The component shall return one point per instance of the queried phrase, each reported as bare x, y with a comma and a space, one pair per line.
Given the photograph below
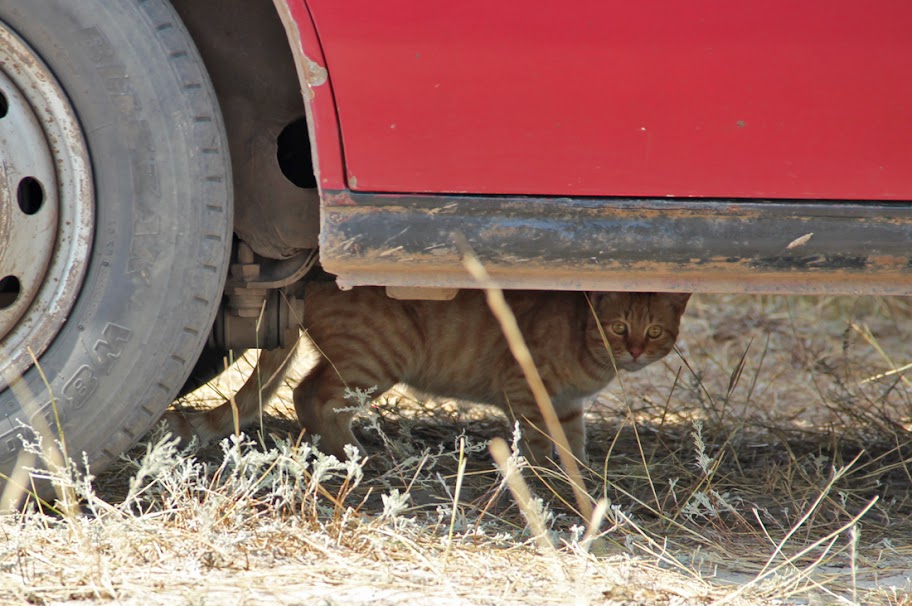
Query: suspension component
275, 324
261, 309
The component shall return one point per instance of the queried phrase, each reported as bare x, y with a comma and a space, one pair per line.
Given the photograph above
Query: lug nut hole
4, 105
10, 288
30, 195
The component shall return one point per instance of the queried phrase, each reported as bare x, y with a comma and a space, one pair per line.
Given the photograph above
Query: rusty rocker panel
751, 246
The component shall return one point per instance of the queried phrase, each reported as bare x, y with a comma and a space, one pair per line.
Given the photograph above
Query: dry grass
768, 462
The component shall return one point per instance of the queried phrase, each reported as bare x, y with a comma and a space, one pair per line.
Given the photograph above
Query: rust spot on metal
337, 198
314, 73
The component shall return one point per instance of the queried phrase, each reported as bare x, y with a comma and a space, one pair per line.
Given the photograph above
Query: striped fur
456, 349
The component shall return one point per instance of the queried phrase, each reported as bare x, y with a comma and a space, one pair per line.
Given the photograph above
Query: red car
150, 149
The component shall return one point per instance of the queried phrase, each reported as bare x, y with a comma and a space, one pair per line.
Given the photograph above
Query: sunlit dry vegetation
767, 461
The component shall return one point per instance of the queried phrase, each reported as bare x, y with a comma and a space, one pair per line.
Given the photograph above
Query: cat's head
640, 328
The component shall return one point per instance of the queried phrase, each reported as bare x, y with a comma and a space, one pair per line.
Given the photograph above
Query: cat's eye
655, 331
619, 328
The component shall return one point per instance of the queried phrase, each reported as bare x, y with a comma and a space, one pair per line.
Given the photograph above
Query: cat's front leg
538, 445
572, 420
322, 410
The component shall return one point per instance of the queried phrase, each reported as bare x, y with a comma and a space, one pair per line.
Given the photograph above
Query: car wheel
115, 221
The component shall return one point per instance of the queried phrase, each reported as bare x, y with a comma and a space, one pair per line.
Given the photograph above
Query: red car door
708, 98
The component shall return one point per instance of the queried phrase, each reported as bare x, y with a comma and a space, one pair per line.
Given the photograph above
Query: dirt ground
767, 462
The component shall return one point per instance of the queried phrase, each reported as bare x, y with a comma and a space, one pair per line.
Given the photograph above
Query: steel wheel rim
46, 207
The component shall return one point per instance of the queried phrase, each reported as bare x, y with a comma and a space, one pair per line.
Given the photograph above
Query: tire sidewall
162, 221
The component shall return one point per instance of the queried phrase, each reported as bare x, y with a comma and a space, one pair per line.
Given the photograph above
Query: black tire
162, 224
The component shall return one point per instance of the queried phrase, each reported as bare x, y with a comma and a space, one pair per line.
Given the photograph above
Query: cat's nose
635, 351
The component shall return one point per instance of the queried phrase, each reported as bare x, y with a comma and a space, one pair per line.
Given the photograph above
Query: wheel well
246, 52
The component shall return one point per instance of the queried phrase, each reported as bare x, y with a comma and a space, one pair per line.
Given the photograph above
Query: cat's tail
246, 406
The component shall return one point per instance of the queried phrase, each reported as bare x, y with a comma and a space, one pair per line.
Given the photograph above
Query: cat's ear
679, 300
602, 299
593, 297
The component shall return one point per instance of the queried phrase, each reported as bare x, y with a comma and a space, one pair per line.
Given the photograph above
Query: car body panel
604, 244
319, 101
709, 98
725, 148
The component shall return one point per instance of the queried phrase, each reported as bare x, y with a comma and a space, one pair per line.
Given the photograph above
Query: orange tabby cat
456, 349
